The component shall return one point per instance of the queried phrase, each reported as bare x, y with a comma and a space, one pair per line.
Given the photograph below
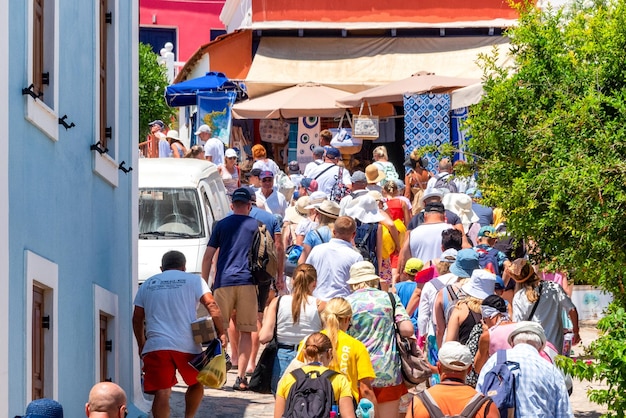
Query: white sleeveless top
289, 333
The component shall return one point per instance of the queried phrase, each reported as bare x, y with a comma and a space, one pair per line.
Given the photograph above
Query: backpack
310, 397
339, 189
445, 182
389, 170
451, 296
470, 410
500, 383
365, 245
488, 259
262, 259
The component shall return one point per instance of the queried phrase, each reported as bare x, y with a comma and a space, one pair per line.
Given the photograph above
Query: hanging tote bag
343, 140
366, 126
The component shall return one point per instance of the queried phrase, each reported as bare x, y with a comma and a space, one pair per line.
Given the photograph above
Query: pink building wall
193, 20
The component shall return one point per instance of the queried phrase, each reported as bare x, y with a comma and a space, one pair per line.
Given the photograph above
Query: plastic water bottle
365, 409
567, 344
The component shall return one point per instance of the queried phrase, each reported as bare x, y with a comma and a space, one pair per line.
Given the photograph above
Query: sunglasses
231, 158
268, 179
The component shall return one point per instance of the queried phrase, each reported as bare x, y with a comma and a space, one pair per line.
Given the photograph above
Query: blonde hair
498, 216
380, 152
303, 276
364, 285
258, 151
315, 345
443, 267
391, 188
335, 310
472, 303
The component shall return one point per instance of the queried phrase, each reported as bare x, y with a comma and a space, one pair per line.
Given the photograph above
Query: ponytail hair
336, 309
303, 276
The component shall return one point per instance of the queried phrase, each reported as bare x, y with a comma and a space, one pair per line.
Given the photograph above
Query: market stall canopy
421, 82
184, 94
355, 64
307, 99
466, 96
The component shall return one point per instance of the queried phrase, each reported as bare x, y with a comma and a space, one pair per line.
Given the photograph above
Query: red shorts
160, 369
390, 393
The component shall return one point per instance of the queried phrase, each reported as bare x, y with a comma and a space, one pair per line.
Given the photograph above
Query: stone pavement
228, 403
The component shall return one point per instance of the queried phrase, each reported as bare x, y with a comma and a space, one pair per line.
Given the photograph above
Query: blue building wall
63, 211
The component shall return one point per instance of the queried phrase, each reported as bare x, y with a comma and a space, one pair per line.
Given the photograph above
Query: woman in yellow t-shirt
318, 353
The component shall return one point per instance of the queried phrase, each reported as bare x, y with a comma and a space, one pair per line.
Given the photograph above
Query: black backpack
310, 397
365, 245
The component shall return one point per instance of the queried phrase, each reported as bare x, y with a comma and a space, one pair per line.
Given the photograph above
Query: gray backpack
470, 410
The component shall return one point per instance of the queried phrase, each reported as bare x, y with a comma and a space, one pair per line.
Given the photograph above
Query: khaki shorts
241, 298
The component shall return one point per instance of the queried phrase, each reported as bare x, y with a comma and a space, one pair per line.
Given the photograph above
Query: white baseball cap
203, 128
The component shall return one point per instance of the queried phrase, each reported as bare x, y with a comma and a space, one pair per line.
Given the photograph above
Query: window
43, 66
106, 345
42, 333
106, 90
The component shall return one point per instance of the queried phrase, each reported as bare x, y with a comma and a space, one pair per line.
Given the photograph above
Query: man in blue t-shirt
234, 288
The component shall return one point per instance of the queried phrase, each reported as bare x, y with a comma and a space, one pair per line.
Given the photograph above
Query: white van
179, 202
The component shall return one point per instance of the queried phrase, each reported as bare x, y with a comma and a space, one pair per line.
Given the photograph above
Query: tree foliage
551, 137
551, 133
152, 83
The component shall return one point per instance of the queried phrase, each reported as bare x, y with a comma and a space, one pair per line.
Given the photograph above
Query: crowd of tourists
363, 258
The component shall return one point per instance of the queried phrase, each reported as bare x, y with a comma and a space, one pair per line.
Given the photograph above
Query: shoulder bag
415, 368
261, 379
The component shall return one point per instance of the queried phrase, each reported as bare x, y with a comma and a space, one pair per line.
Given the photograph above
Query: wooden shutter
104, 358
38, 346
38, 44
103, 71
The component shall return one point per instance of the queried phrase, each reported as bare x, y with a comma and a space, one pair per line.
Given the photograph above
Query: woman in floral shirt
372, 324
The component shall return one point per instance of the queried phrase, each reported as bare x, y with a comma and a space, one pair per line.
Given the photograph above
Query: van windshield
169, 214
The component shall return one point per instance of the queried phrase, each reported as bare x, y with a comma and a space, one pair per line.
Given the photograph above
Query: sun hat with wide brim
328, 208
44, 408
365, 209
481, 284
466, 262
374, 174
363, 271
461, 204
316, 199
297, 212
172, 134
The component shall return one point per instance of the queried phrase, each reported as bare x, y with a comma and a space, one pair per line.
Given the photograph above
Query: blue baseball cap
487, 231
332, 153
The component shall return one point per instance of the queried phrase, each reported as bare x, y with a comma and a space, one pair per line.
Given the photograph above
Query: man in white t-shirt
425, 241
213, 147
327, 173
318, 159
268, 197
165, 307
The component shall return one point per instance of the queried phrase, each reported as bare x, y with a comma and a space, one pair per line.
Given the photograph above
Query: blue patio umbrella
184, 93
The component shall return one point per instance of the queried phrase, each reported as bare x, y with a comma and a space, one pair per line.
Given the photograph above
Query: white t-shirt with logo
169, 300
